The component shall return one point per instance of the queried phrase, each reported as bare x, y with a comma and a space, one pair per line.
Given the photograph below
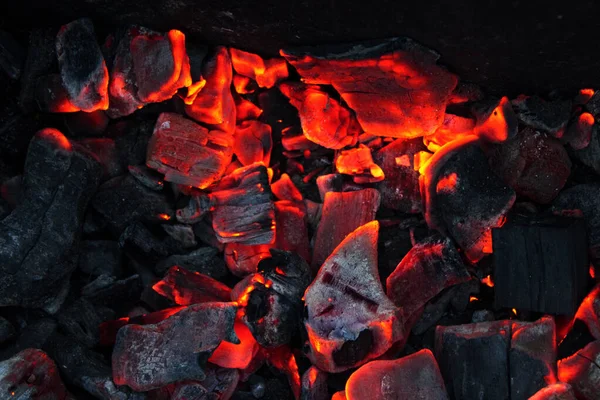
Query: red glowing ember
265, 72
359, 163
186, 288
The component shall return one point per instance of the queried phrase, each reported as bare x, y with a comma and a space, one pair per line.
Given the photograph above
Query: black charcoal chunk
34, 335
590, 155
549, 116
182, 234
7, 330
105, 152
112, 293
205, 260
80, 321
100, 257
132, 138
147, 177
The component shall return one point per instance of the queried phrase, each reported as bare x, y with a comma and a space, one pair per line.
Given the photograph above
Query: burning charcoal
284, 189
581, 371
112, 293
196, 209
266, 73
51, 96
400, 188
589, 312
324, 120
204, 260
183, 234
343, 336
230, 355
532, 357
35, 260
342, 213
82, 68
252, 142
31, 374
189, 391
99, 257
541, 264
188, 153
214, 104
329, 183
150, 356
138, 241
84, 124
122, 200
453, 127
590, 155
105, 152
394, 85
557, 391
579, 132
465, 93
482, 316
314, 385
246, 110
496, 120
291, 229
549, 116
243, 84
81, 321
341, 395
295, 143
463, 197
359, 163
147, 177
473, 359
243, 211
429, 267
7, 330
186, 288
220, 383
242, 260
416, 376
534, 164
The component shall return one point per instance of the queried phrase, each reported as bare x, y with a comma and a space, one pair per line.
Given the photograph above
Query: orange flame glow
488, 281
265, 72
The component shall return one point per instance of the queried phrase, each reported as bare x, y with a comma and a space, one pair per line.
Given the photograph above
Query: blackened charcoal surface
132, 138
41, 59
80, 321
182, 234
147, 177
140, 243
99, 257
288, 272
109, 292
205, 260
104, 151
7, 330
549, 116
38, 238
33, 335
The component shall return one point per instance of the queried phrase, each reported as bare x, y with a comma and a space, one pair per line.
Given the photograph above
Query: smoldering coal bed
352, 222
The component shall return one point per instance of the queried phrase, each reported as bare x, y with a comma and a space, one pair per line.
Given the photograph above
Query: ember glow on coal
347, 222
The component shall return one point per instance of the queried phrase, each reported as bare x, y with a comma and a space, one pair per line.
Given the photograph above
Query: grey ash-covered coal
341, 222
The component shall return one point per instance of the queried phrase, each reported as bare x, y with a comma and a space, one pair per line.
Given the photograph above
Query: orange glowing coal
266, 73
229, 355
447, 183
488, 281
359, 163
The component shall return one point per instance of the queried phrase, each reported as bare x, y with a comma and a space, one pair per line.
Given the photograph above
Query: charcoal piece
39, 238
394, 85
589, 312
314, 385
590, 155
581, 371
80, 321
285, 189
84, 368
287, 272
400, 188
31, 374
473, 359
252, 142
104, 151
183, 234
495, 120
416, 376
41, 59
205, 260
33, 336
329, 183
242, 260
463, 197
358, 163
240, 356
7, 330
188, 153
541, 264
466, 92
82, 68
132, 140
185, 288
243, 211
534, 164
324, 120
214, 104
291, 229
453, 127
160, 64
220, 382
341, 395
196, 209
579, 132
432, 312
349, 277
246, 110
99, 257
138, 242
123, 200
549, 116
147, 177
482, 316
12, 55
556, 391
51, 96
429, 267
112, 293
150, 356
342, 213
266, 73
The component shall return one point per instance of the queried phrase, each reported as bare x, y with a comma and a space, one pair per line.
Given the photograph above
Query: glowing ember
488, 281
359, 163
265, 72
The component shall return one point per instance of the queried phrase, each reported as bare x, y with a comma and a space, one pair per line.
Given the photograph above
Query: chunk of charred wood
579, 132
393, 85
548, 116
473, 359
219, 384
581, 371
31, 374
138, 242
463, 197
82, 68
230, 355
132, 137
188, 153
314, 385
51, 96
342, 213
33, 336
287, 272
416, 376
266, 73
242, 260
534, 164
252, 142
324, 120
541, 264
495, 120
400, 188
453, 127
147, 177
38, 239
185, 288
466, 92
182, 234
285, 189
556, 391
122, 200
80, 321
243, 211
341, 337
532, 357
150, 356
205, 260
429, 267
99, 257
112, 293
214, 104
84, 368
589, 312
291, 230
329, 183
246, 110
40, 61
359, 163
104, 151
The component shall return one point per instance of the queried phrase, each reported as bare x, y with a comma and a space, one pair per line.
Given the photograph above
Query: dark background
509, 47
